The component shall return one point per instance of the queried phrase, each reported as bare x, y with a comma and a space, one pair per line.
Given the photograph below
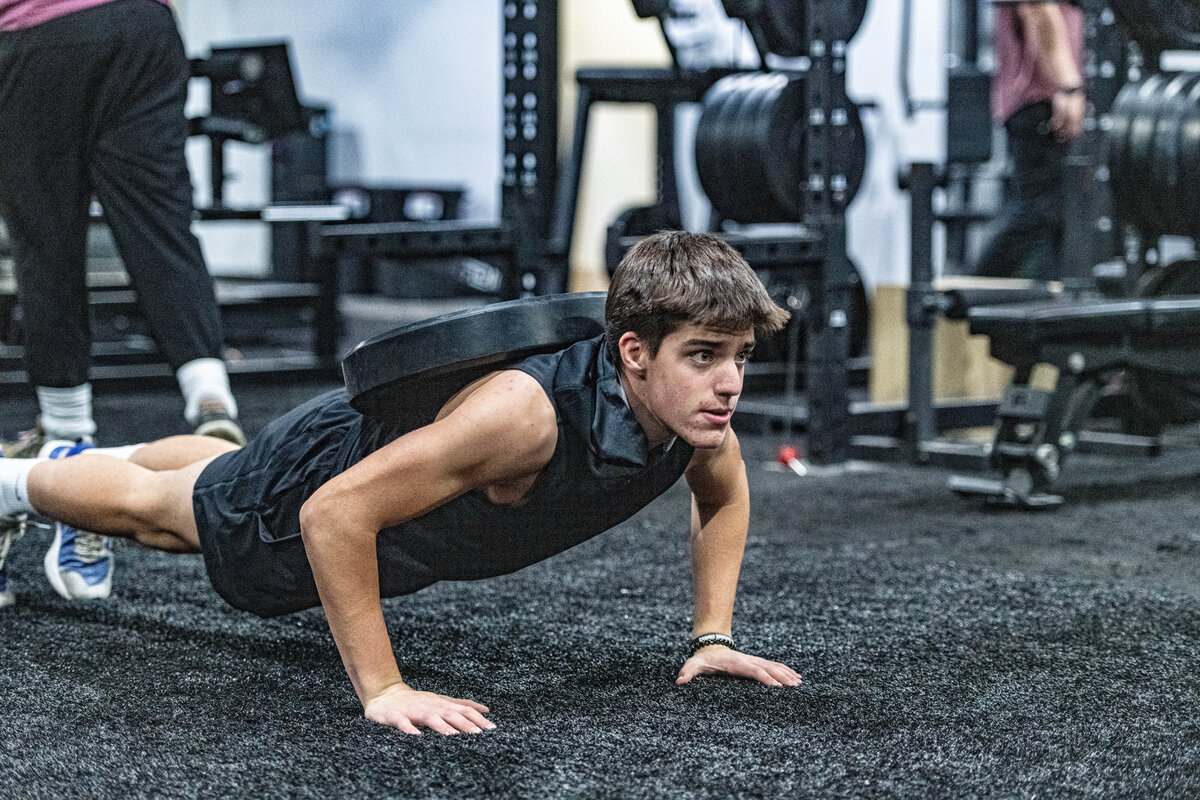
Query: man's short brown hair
674, 278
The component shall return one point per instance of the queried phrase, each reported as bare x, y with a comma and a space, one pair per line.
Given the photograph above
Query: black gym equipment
401, 378
1145, 346
811, 256
253, 95
520, 245
751, 142
1154, 153
1159, 25
635, 223
664, 90
1092, 343
252, 99
779, 26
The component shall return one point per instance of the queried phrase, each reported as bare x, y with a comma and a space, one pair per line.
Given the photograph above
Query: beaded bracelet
704, 640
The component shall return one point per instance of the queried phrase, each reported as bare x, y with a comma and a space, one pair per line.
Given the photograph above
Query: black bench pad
1033, 323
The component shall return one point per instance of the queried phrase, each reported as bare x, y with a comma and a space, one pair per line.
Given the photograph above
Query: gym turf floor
947, 651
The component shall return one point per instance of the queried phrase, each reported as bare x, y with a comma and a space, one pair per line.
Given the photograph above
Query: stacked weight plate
750, 147
1154, 153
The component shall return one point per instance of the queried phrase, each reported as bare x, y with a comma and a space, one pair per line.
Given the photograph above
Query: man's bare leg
120, 498
176, 452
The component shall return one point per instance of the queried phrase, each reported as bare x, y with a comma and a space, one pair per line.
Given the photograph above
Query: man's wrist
1070, 90
708, 639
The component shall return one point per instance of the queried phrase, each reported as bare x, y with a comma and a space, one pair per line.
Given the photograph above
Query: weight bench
1088, 340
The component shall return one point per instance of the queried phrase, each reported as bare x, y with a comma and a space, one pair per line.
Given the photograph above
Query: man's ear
633, 354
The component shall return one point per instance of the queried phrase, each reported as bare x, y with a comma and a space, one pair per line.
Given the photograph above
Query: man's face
691, 386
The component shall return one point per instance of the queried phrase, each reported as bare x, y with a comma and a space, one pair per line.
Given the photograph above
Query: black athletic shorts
247, 505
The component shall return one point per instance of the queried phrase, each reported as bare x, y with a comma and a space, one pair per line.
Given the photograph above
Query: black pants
1028, 242
92, 102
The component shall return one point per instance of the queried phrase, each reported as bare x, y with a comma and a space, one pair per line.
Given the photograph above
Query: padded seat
960, 301
1032, 323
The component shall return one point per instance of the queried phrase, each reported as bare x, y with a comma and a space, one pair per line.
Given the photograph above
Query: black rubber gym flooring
947, 651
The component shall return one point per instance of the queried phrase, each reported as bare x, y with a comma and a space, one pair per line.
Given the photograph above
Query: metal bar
919, 420
566, 201
529, 140
1117, 443
418, 240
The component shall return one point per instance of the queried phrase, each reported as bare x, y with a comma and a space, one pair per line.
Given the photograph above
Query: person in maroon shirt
1038, 95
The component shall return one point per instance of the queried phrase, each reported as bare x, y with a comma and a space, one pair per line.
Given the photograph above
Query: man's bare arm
1045, 28
720, 520
505, 430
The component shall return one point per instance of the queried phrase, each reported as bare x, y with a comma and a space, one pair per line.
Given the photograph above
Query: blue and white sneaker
79, 564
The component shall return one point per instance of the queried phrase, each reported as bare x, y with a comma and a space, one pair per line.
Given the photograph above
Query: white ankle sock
66, 413
14, 484
202, 378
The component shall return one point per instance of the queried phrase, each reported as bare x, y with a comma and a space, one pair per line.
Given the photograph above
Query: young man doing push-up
327, 507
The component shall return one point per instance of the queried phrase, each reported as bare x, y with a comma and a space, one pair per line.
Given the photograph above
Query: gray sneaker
26, 445
213, 419
12, 527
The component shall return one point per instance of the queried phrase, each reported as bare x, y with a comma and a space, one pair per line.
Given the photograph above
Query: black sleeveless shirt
602, 472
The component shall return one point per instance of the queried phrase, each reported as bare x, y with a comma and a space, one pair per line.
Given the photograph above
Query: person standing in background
1038, 95
92, 97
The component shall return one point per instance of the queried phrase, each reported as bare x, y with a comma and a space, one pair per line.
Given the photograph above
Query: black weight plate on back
707, 146
1186, 221
401, 378
1126, 176
743, 166
767, 151
726, 194
720, 191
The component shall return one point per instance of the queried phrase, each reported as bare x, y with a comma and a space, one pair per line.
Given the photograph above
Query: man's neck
656, 433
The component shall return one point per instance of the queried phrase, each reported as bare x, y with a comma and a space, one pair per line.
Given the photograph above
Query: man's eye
702, 356
742, 357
